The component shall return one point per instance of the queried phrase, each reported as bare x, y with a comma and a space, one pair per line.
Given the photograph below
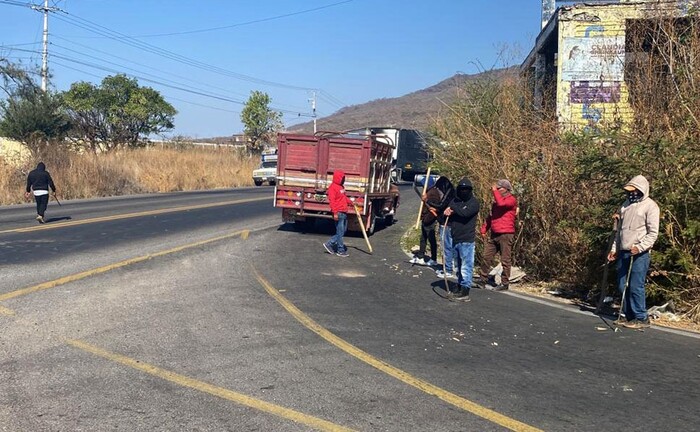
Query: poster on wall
593, 59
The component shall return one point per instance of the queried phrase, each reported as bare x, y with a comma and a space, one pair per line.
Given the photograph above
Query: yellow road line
131, 215
6, 311
418, 383
223, 393
103, 269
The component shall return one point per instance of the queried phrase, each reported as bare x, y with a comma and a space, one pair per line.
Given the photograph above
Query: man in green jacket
638, 230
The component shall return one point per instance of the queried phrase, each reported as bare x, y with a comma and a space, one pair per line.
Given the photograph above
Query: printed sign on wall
593, 59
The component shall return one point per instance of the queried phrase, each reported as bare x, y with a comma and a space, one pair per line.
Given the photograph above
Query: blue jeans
635, 306
447, 248
336, 242
464, 252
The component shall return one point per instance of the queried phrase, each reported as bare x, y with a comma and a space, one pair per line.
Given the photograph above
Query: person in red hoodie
339, 206
501, 223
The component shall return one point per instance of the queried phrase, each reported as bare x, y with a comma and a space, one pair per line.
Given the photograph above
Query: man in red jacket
501, 223
339, 206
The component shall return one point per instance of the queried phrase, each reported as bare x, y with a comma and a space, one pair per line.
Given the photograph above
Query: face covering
464, 194
634, 196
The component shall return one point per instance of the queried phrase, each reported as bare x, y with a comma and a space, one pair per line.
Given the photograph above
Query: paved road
204, 313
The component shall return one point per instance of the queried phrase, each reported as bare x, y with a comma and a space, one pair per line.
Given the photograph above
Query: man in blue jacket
463, 211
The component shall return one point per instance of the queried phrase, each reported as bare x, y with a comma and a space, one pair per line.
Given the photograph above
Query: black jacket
465, 208
40, 179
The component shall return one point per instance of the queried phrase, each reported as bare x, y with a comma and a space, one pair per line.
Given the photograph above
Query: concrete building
577, 66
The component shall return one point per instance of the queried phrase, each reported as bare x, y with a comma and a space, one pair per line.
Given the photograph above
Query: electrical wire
15, 3
158, 81
211, 29
161, 83
96, 28
21, 44
166, 96
135, 43
291, 107
120, 37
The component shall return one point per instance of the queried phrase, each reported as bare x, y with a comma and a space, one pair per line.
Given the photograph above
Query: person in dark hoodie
446, 194
428, 219
463, 211
339, 206
38, 182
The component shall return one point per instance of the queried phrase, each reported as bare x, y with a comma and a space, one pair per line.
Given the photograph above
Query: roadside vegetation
569, 185
129, 171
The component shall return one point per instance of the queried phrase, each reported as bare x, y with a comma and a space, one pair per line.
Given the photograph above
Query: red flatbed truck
305, 169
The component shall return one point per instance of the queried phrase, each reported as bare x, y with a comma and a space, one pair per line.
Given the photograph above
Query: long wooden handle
444, 261
362, 225
425, 188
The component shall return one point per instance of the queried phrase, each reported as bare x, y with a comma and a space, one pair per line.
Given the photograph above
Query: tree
118, 113
260, 122
28, 114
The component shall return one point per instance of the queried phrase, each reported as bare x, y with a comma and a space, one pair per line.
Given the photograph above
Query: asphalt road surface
202, 312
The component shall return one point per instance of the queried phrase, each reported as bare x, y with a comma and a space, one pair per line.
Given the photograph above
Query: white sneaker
443, 275
431, 263
418, 261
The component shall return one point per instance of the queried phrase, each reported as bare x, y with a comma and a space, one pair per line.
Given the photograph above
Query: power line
134, 62
166, 96
15, 3
276, 17
152, 68
128, 40
147, 74
111, 34
158, 81
120, 37
20, 44
161, 83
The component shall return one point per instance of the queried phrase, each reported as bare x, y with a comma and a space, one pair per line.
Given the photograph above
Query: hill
412, 111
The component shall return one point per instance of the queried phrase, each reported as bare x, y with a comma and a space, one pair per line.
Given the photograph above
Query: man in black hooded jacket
463, 211
38, 182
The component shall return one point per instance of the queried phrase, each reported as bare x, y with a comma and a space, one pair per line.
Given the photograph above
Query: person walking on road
463, 211
38, 183
339, 206
501, 224
428, 217
639, 228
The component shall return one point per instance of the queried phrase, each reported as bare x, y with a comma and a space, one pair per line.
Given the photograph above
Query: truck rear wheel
389, 220
371, 219
257, 182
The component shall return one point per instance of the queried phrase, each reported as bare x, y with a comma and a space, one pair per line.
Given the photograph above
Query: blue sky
353, 51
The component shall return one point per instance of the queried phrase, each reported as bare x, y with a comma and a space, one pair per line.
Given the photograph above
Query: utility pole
313, 108
45, 51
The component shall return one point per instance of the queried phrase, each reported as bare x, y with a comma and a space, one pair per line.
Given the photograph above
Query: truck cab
267, 172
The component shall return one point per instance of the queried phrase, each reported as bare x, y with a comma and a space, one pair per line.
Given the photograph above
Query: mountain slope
412, 111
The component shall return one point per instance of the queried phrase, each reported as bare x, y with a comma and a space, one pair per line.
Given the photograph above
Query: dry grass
132, 171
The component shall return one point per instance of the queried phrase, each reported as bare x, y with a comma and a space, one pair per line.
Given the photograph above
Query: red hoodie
336, 194
503, 213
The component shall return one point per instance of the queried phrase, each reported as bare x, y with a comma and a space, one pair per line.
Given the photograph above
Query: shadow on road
57, 219
439, 288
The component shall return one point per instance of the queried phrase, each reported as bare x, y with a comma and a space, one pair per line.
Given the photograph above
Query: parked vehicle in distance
410, 149
268, 169
305, 170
